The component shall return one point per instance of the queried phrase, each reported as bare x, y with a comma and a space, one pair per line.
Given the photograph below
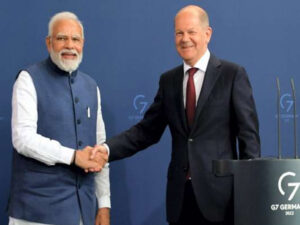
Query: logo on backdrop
140, 105
286, 105
289, 190
294, 185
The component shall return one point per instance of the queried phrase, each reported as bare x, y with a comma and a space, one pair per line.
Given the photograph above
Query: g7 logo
295, 185
286, 102
140, 105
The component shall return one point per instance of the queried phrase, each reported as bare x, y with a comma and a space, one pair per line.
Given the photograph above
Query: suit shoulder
227, 67
172, 72
230, 65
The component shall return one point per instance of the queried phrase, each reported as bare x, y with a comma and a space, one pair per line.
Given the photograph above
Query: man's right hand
98, 149
83, 160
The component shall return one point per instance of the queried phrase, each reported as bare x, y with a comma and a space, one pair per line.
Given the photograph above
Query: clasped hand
91, 159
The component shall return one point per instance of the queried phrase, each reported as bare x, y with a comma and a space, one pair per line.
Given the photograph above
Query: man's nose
69, 44
185, 37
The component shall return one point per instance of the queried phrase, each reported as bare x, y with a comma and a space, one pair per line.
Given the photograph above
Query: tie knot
192, 71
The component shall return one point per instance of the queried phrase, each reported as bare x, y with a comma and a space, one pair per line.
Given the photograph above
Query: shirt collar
201, 64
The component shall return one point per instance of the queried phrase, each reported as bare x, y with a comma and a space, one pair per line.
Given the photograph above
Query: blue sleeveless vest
58, 194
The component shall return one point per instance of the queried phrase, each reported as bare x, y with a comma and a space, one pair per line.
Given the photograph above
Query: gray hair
202, 14
61, 16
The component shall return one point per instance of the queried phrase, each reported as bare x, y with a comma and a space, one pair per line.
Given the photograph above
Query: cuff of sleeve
104, 202
66, 155
106, 146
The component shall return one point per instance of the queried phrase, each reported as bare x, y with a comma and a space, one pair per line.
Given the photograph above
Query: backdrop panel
128, 45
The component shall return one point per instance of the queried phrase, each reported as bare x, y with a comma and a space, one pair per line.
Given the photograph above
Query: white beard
68, 65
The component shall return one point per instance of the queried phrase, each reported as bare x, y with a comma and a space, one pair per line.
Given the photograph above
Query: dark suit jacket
225, 114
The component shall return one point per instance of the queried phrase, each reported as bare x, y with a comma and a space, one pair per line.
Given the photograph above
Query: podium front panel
266, 191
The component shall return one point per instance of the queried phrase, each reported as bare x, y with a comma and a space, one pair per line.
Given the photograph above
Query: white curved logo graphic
286, 102
139, 104
296, 185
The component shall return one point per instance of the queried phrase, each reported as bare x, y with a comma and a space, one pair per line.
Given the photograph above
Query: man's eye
179, 34
76, 39
61, 38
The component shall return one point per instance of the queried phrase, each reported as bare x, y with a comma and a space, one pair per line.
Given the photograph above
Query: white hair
61, 16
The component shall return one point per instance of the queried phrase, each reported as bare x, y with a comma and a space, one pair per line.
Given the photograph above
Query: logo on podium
295, 185
284, 187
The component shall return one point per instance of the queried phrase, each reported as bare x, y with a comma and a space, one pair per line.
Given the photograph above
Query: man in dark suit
208, 105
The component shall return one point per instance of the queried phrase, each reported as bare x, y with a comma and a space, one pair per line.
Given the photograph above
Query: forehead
67, 27
187, 20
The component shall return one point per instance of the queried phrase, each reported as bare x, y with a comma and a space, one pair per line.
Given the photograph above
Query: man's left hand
103, 217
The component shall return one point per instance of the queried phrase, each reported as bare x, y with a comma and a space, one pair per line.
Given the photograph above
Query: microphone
278, 118
295, 119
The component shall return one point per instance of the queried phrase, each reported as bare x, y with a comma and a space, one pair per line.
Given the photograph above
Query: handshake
91, 159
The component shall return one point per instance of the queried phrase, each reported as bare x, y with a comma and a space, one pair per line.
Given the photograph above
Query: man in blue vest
56, 119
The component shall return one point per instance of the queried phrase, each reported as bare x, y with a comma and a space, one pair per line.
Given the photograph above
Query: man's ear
48, 43
208, 33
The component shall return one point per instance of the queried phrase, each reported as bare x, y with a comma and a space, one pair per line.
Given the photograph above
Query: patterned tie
190, 97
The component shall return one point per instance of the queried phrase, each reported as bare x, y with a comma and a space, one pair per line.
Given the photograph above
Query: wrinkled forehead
66, 35
187, 21
67, 27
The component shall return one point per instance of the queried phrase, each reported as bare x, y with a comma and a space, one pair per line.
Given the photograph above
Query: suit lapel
178, 87
211, 76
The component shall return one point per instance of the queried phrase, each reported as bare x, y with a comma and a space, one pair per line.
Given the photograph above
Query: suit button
76, 99
185, 169
78, 121
79, 143
72, 80
191, 140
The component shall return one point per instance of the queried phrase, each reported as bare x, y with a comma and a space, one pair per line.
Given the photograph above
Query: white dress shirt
29, 143
201, 65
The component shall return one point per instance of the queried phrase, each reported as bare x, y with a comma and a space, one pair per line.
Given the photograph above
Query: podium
266, 191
